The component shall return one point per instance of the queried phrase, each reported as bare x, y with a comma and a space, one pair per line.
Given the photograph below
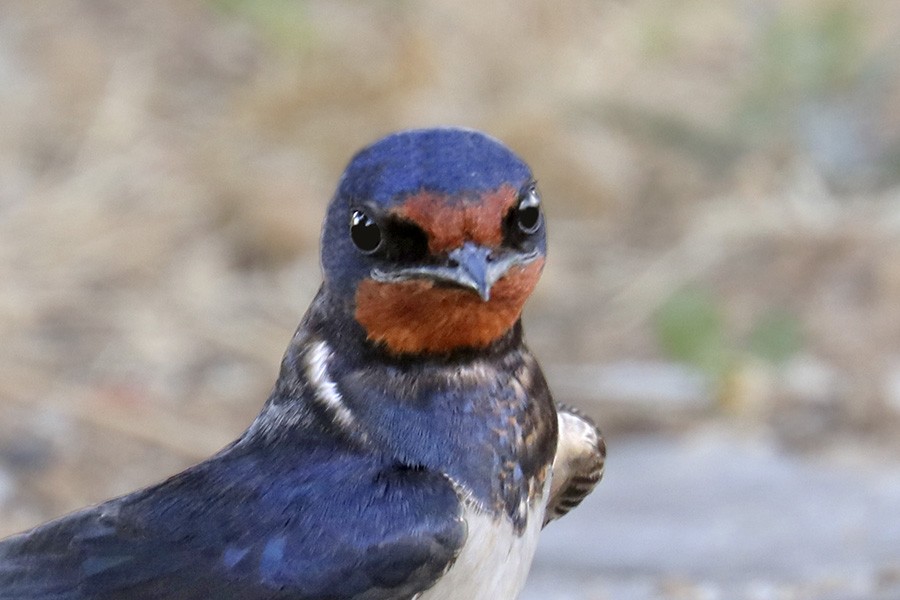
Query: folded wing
578, 464
338, 526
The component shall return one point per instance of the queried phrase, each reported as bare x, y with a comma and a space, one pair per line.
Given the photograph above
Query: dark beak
473, 269
470, 266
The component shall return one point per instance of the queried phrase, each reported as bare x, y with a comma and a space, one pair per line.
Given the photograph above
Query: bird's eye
364, 232
528, 213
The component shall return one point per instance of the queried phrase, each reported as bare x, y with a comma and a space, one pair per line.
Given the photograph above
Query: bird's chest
496, 442
494, 562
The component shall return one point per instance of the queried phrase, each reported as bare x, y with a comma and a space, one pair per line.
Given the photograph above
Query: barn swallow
410, 448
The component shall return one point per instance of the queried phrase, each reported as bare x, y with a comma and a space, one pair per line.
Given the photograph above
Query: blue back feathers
273, 524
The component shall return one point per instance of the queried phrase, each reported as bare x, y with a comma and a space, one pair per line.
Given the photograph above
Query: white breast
494, 561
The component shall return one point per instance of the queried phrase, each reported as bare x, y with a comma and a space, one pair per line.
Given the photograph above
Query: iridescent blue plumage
447, 161
253, 523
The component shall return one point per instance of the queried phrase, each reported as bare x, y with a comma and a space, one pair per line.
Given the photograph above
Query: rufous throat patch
418, 316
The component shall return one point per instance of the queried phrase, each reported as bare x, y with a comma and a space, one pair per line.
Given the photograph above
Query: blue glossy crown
448, 161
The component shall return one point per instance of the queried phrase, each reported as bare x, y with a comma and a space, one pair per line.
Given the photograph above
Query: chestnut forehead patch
450, 221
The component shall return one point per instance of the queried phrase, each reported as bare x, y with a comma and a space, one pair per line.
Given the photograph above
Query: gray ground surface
720, 514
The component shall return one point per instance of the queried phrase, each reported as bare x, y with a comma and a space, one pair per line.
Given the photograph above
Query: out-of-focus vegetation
690, 330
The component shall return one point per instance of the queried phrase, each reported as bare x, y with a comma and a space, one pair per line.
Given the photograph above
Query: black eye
528, 213
364, 232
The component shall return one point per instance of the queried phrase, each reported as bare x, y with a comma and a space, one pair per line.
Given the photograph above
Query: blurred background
722, 184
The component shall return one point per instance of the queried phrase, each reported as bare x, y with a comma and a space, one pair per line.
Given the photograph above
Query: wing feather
578, 464
339, 527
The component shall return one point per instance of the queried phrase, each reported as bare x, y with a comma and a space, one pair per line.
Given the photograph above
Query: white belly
494, 561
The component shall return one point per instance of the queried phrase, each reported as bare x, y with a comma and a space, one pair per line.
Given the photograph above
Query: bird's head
434, 240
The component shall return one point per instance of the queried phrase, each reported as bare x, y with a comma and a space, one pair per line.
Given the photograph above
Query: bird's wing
345, 528
578, 464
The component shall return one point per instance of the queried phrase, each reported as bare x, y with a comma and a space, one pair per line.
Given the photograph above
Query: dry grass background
164, 167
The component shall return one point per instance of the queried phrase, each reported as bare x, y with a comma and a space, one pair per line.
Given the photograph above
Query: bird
410, 447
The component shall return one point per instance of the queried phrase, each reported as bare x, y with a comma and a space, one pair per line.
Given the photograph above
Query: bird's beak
470, 266
473, 269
